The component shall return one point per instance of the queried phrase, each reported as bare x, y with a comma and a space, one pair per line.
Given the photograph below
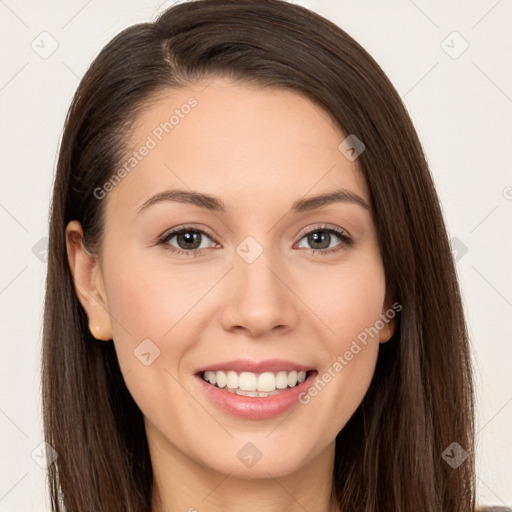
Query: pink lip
246, 365
256, 408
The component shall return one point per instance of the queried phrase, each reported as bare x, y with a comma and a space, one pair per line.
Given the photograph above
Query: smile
253, 384
255, 404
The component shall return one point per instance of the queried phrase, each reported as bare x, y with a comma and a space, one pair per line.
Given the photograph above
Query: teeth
248, 382
252, 384
232, 380
281, 380
266, 382
221, 379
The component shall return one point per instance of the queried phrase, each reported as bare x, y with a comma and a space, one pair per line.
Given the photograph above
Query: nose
261, 298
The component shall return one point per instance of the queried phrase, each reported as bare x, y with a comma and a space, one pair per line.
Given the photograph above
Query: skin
259, 150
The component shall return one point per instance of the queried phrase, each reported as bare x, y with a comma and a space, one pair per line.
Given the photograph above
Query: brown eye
189, 241
320, 239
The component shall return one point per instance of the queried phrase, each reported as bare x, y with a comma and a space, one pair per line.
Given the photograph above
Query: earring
92, 330
97, 329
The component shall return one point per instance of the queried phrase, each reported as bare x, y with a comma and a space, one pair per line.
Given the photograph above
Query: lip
247, 365
255, 408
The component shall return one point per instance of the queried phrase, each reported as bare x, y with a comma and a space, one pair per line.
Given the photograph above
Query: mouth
253, 389
255, 385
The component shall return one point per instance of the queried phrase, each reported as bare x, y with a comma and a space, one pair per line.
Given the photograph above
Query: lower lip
256, 408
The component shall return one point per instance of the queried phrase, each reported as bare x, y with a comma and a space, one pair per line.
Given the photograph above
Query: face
253, 287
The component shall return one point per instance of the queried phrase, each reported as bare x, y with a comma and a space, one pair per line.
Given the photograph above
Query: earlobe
389, 322
386, 332
88, 281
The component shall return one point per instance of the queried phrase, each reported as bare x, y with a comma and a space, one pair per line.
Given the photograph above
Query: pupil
315, 238
188, 238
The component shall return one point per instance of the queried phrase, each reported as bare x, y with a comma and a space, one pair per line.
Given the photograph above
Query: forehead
247, 144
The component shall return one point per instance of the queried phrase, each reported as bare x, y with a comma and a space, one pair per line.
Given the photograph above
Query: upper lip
247, 365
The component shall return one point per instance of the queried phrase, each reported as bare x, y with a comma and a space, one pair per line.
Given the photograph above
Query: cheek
157, 310
349, 302
148, 308
350, 306
149, 300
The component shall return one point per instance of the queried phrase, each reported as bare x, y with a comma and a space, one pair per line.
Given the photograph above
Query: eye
189, 241
321, 237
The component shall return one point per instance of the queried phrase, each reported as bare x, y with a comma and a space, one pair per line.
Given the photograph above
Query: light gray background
461, 107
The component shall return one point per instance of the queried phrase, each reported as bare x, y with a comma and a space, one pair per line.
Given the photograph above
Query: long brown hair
389, 456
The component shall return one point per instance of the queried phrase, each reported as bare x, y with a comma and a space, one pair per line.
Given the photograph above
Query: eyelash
346, 241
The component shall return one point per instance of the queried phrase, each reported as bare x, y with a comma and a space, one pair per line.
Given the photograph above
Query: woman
313, 353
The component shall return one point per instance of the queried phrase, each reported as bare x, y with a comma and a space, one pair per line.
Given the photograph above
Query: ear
88, 279
388, 318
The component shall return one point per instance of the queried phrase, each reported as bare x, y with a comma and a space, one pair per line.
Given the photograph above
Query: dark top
493, 509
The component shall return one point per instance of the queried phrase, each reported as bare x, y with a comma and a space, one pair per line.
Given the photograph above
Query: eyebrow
217, 205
